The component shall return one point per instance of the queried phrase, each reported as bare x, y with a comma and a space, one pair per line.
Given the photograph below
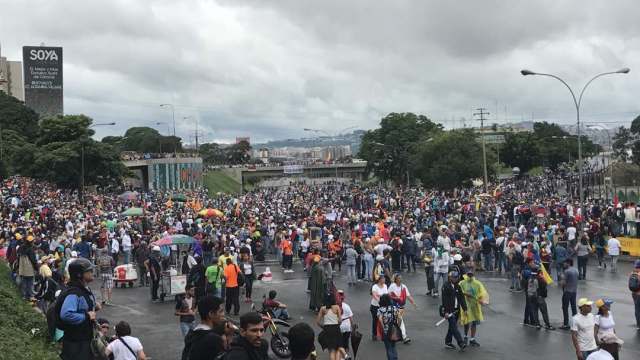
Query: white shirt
126, 242
397, 290
584, 326
606, 325
345, 325
115, 246
614, 246
379, 291
444, 241
120, 351
600, 355
571, 233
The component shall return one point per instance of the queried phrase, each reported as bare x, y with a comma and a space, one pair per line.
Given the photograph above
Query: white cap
155, 248
74, 254
457, 257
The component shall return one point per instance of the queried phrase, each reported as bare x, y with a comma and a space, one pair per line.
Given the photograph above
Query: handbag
394, 333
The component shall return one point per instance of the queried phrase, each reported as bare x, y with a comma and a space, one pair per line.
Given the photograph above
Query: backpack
518, 258
241, 279
57, 307
634, 282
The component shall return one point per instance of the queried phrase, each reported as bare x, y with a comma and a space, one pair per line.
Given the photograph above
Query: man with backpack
75, 312
634, 287
214, 275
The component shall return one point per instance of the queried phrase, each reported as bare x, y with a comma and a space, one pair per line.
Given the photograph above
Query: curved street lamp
577, 102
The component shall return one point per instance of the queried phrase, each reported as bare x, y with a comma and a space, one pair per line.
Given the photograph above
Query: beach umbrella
175, 240
179, 197
134, 211
128, 195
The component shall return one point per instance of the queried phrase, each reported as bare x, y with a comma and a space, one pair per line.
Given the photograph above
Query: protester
302, 342
214, 275
105, 270
205, 341
569, 284
583, 330
346, 324
125, 346
388, 317
453, 302
613, 246
475, 296
232, 289
634, 287
77, 308
246, 266
317, 284
328, 319
377, 290
399, 294
277, 308
185, 306
26, 267
249, 345
605, 325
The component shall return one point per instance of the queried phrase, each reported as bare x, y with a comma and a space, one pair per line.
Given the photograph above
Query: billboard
43, 79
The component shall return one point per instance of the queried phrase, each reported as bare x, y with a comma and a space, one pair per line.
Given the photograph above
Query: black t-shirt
183, 305
202, 344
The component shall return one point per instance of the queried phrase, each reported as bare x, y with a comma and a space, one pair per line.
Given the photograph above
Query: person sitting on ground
277, 308
302, 342
249, 345
125, 346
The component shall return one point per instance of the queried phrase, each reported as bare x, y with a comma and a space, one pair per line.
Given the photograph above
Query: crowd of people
56, 243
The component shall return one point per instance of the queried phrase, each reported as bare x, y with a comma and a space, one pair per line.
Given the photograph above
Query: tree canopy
389, 148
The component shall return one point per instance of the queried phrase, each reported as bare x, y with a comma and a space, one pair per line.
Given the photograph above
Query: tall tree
622, 141
388, 149
451, 159
17, 117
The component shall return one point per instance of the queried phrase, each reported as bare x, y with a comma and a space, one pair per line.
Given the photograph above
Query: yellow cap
30, 238
18, 236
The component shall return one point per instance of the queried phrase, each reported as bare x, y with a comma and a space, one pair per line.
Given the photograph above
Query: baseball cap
584, 301
601, 302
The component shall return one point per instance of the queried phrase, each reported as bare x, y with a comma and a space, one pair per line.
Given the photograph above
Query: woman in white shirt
605, 325
378, 289
125, 346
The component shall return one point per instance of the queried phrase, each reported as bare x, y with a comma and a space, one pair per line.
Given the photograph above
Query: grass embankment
217, 181
17, 319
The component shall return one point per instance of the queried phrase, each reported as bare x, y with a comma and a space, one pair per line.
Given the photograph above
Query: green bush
16, 321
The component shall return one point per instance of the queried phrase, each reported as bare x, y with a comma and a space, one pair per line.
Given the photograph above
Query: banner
43, 87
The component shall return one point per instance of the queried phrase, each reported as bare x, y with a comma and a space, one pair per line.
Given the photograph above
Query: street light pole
577, 102
173, 119
82, 159
606, 129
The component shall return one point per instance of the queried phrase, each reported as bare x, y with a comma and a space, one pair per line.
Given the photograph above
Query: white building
11, 77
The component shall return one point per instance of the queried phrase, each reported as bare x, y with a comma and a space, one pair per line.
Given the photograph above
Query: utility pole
481, 113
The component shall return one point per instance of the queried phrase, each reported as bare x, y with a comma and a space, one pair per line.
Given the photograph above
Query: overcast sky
266, 69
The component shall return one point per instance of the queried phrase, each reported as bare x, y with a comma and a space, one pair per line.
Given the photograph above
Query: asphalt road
501, 335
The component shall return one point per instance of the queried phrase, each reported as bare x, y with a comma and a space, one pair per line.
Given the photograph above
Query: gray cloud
266, 69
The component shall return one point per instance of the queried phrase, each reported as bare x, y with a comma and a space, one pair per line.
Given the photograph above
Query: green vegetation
16, 324
217, 181
51, 148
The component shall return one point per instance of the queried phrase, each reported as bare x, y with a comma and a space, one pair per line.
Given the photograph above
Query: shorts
107, 281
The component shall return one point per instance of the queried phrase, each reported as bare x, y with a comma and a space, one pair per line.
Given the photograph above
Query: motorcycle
279, 339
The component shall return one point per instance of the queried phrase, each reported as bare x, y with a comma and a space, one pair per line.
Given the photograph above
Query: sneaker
538, 327
406, 340
450, 346
549, 327
474, 343
564, 327
462, 347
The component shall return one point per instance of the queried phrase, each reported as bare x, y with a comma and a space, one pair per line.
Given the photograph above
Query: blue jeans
636, 302
453, 331
26, 286
488, 261
351, 274
127, 256
280, 313
568, 298
368, 274
207, 256
185, 327
390, 346
515, 281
